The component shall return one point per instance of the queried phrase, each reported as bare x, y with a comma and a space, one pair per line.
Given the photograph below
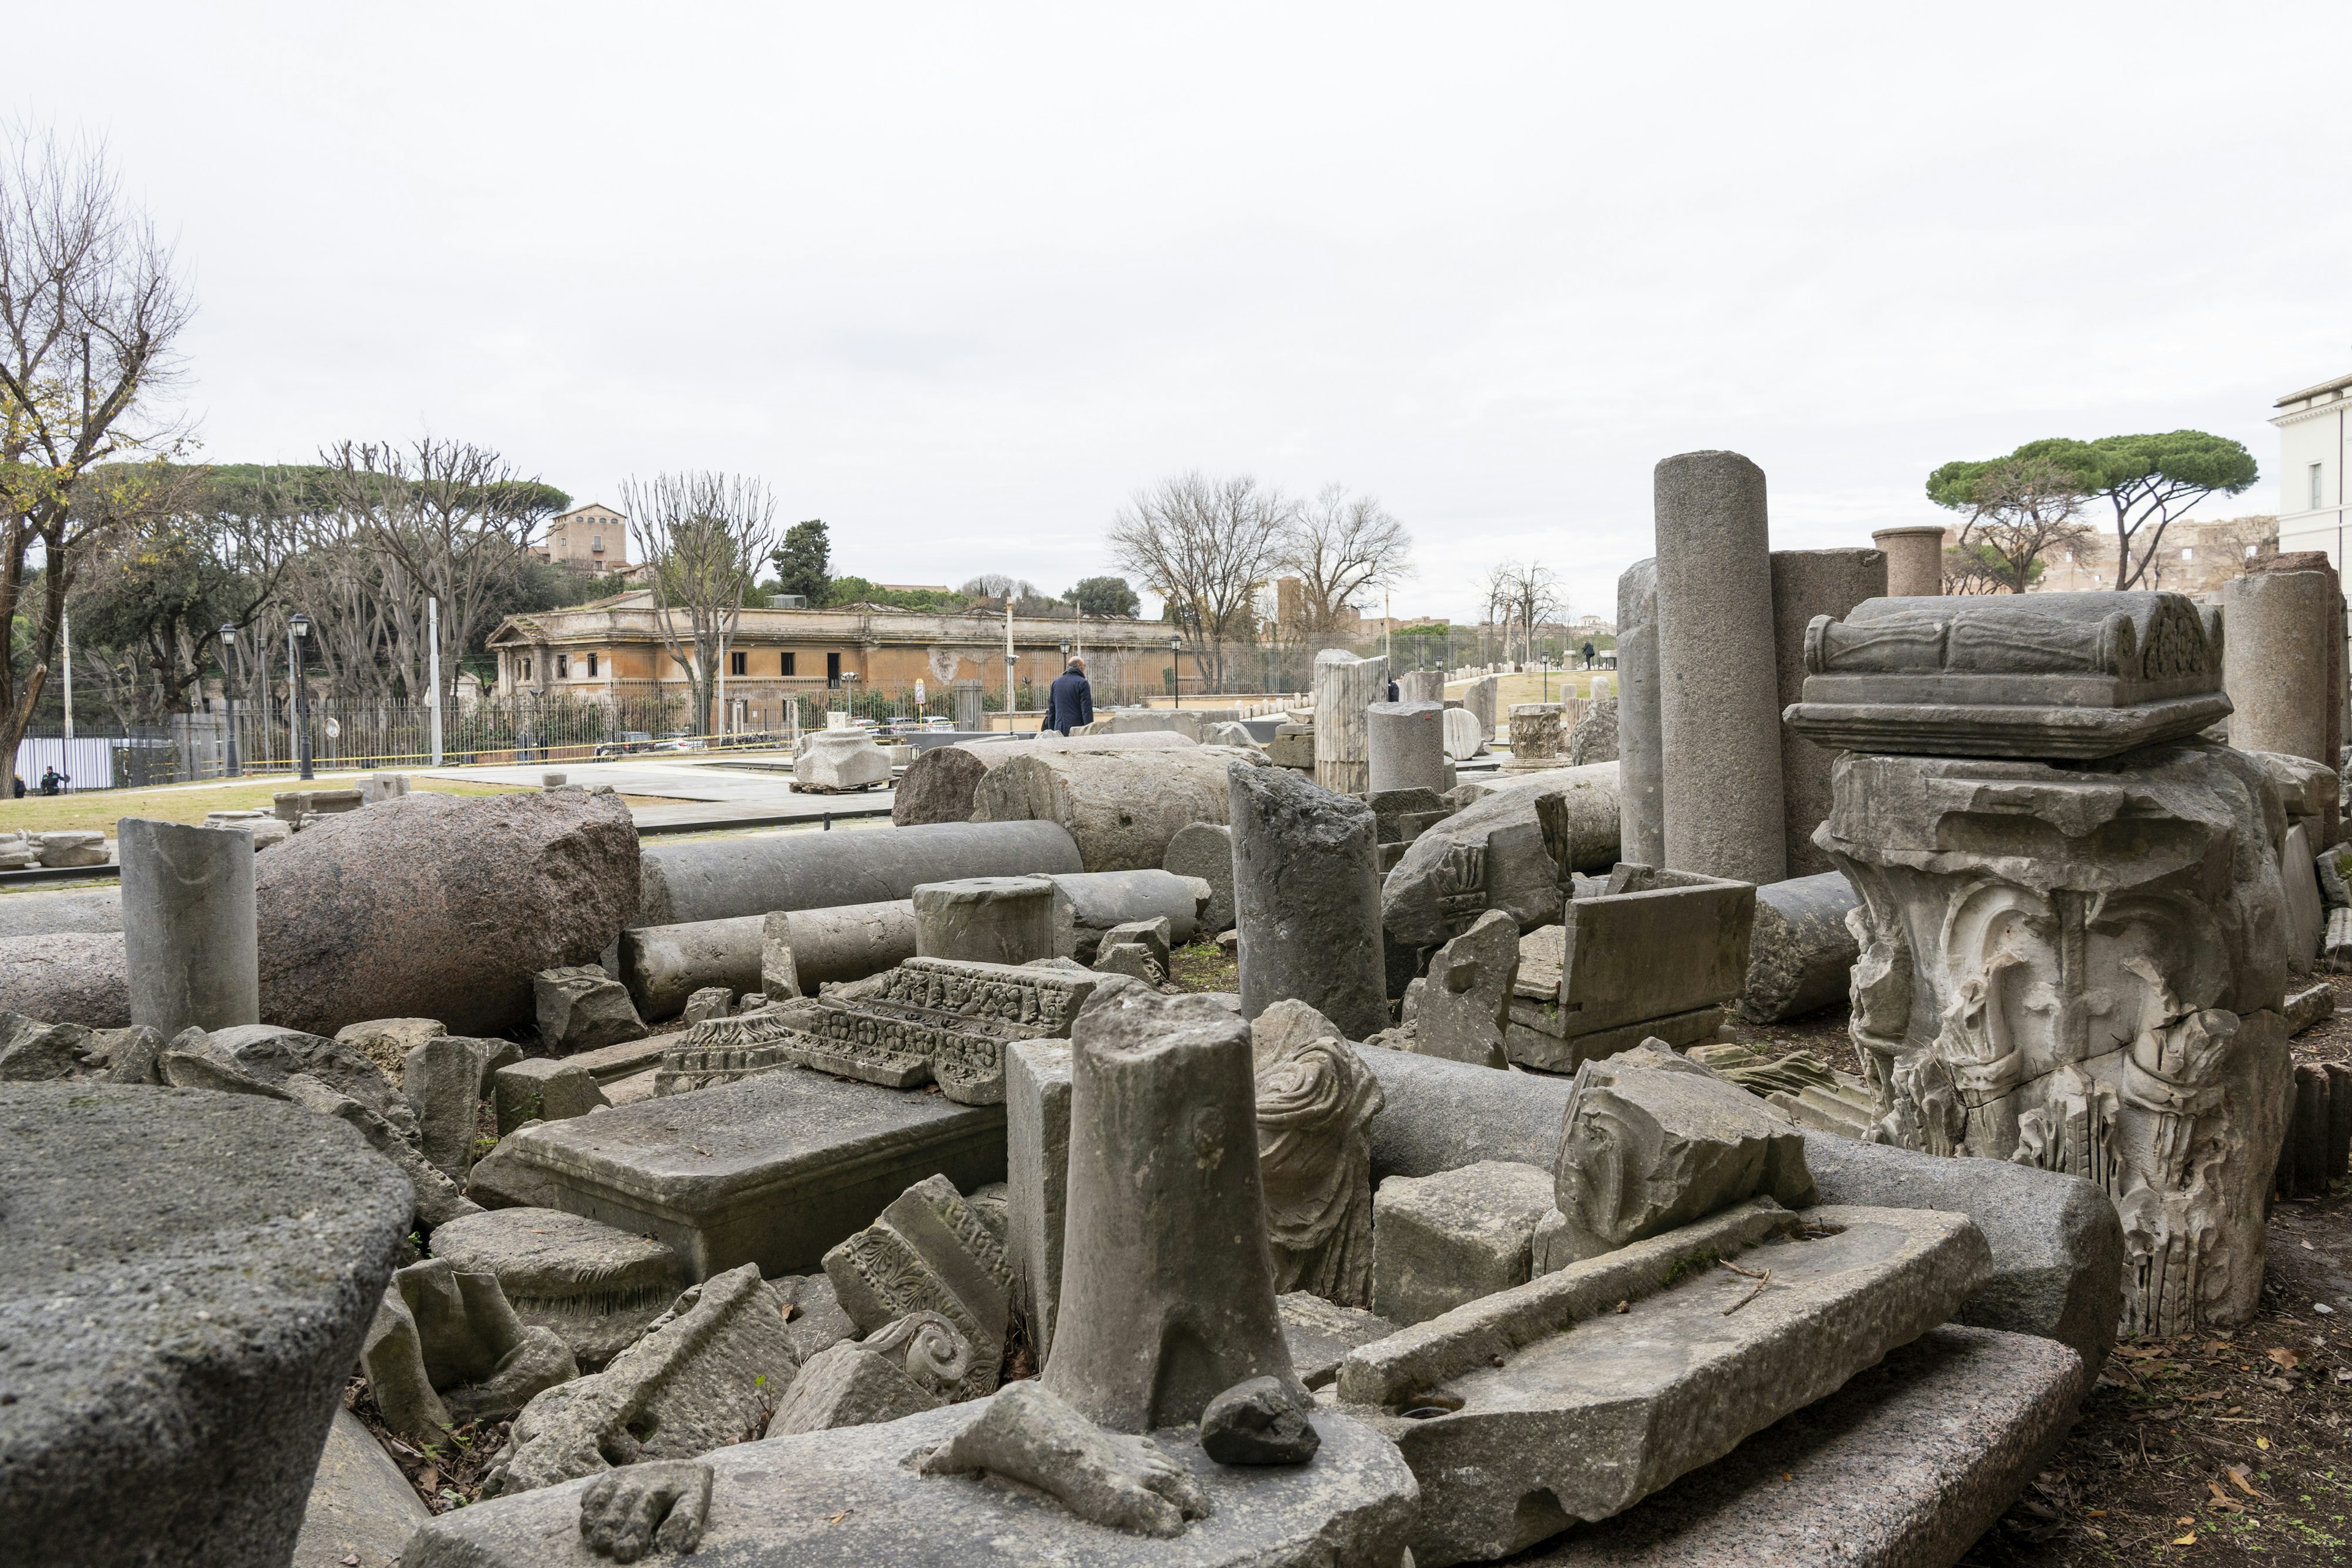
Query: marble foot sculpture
1027, 1435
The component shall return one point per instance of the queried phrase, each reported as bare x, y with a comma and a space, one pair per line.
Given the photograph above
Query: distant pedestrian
1588, 653
1395, 695
1070, 701
54, 782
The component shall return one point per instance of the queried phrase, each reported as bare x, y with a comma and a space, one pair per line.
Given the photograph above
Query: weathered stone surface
1807, 583
1903, 1468
2057, 1246
1479, 699
92, 911
930, 1252
1443, 1115
1801, 951
1595, 985
1151, 935
1306, 900
1320, 1333
440, 904
210, 1307
1120, 807
1592, 1409
1405, 745
188, 926
1650, 1142
360, 1507
772, 1170
596, 1288
442, 1081
986, 920
1037, 1132
801, 950
1088, 904
1168, 1289
708, 879
2075, 968
1442, 1240
387, 1041
940, 785
71, 847
710, 1002
543, 1088
2306, 917
1205, 850
1539, 737
1346, 688
833, 761
1316, 1103
66, 977
1465, 737
582, 1007
1105, 1477
829, 1499
817, 1323
2282, 665
1718, 706
847, 1385
446, 1347
1642, 822
2077, 676
1467, 1000
663, 966
707, 1376
32, 1052
1593, 738
1494, 855
2306, 788
1259, 1422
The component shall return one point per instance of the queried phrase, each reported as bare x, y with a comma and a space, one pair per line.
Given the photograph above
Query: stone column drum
1422, 685
1915, 560
188, 925
1641, 756
2278, 663
1407, 745
1718, 695
988, 920
1166, 1294
1306, 900
1345, 689
1805, 583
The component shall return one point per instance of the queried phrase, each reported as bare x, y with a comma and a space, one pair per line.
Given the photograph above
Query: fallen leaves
2287, 1358
2238, 1474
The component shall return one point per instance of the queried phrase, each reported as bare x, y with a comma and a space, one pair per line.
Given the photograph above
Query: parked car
627, 742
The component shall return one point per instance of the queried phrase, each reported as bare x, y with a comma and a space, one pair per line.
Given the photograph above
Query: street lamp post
1176, 667
297, 632
228, 690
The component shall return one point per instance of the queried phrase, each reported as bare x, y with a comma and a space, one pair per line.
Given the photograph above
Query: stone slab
825, 1500
1320, 1333
1903, 1468
1440, 1241
1544, 1404
361, 1509
770, 1169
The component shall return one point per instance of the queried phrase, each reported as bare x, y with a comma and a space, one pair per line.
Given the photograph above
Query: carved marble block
2081, 968
2043, 675
929, 1019
1316, 1101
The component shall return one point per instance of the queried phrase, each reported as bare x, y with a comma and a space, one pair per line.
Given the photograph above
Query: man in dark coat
1071, 701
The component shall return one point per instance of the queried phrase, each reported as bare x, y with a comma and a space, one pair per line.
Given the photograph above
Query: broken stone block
438, 1199
442, 1081
1650, 1142
583, 1007
710, 1001
1205, 850
187, 1278
772, 1170
387, 1041
1495, 854
1132, 959
1306, 898
1320, 1333
2306, 915
1440, 1241
709, 1373
1466, 1002
270, 1055
1258, 1422
80, 977
1037, 1163
849, 1385
595, 1287
986, 920
1316, 1103
1545, 1405
361, 1509
835, 762
817, 1323
74, 847
930, 1252
843, 1496
32, 1051
446, 1347
1465, 737
1151, 935
543, 1088
661, 1506
1089, 904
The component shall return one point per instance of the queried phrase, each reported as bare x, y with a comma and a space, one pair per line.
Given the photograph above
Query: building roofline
2338, 385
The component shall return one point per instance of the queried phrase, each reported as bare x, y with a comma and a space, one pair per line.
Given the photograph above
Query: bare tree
1205, 546
1521, 597
2020, 510
90, 312
1340, 546
702, 537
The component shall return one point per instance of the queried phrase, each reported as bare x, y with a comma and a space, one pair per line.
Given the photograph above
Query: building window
2319, 492
739, 663
562, 665
788, 663
2187, 553
832, 669
591, 665
596, 542
526, 668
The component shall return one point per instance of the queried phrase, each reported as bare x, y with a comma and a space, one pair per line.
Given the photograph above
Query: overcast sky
958, 280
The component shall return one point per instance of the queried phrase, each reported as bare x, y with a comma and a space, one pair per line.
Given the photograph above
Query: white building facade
2315, 429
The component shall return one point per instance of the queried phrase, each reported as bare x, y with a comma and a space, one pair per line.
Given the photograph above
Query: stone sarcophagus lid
928, 1020
2060, 676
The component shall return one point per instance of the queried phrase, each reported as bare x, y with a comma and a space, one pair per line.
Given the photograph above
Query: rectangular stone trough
770, 1169
1543, 1404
